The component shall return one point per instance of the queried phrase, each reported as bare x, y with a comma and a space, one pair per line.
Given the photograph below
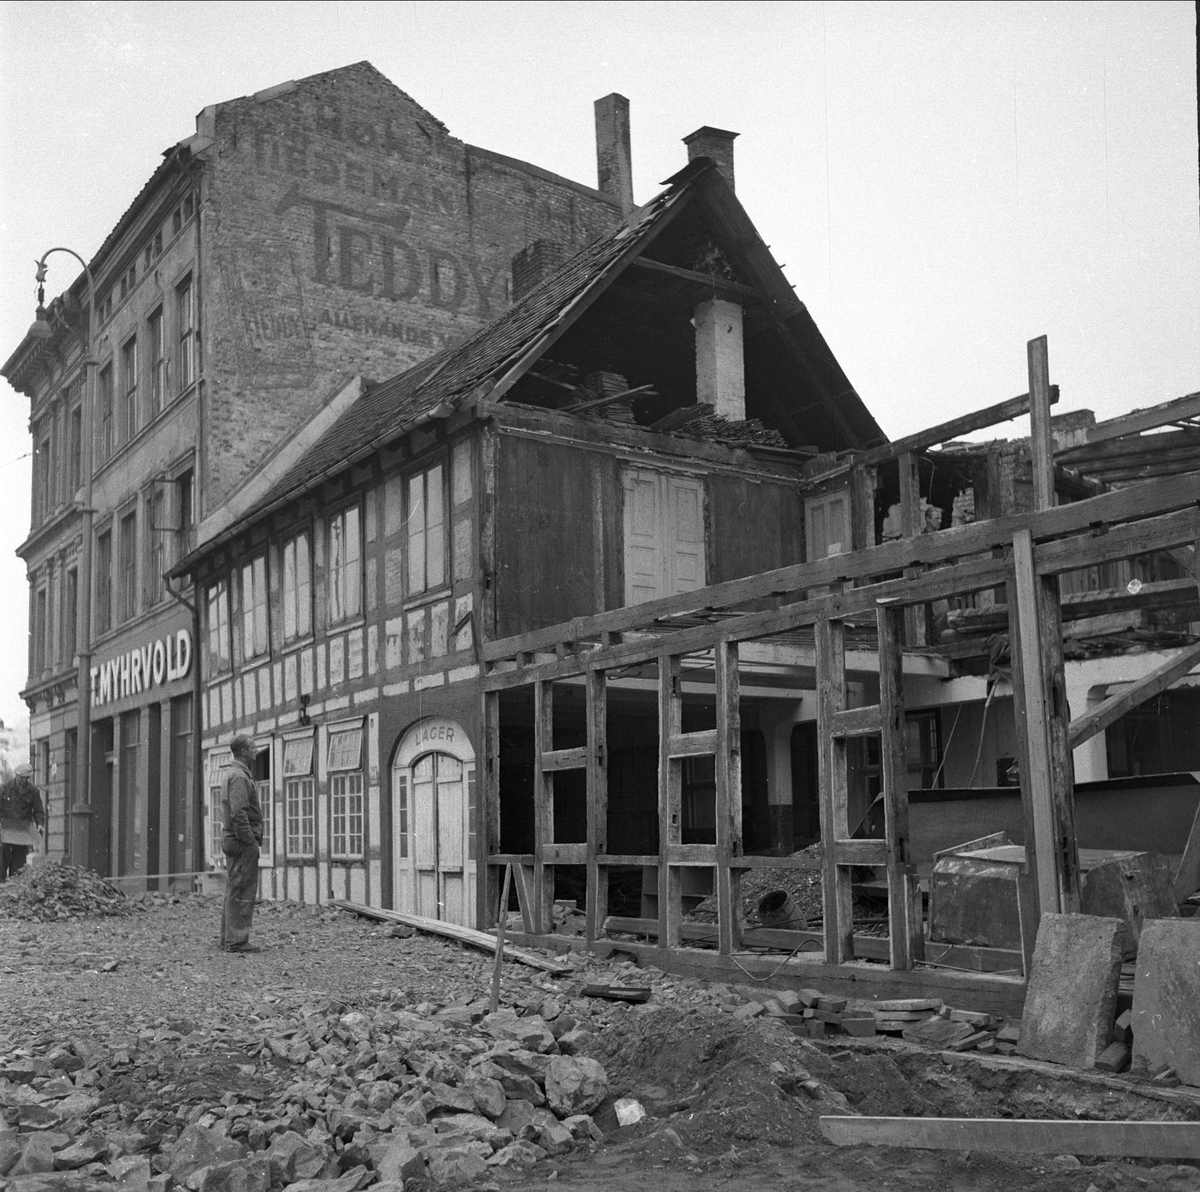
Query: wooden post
729, 798
543, 807
501, 926
905, 945
1041, 441
835, 815
597, 802
487, 831
670, 789
1047, 788
912, 524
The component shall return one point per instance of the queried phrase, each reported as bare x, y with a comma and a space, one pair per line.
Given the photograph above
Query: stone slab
1166, 998
1071, 998
1130, 886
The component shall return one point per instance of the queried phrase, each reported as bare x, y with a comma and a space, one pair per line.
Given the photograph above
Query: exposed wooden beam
711, 284
1112, 709
1041, 440
1167, 412
1028, 1136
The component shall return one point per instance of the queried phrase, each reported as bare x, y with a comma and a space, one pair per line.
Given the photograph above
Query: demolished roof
803, 388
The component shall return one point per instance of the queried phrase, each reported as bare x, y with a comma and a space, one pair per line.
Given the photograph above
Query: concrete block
1071, 998
1134, 887
1166, 998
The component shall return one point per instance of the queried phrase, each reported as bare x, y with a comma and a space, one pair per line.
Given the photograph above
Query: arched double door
433, 822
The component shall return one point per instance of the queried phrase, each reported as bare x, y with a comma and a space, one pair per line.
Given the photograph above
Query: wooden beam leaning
906, 944
1147, 687
729, 798
488, 828
670, 783
596, 910
542, 911
835, 825
1030, 1136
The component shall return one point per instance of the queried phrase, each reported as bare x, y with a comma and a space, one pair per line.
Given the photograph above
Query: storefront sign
163, 661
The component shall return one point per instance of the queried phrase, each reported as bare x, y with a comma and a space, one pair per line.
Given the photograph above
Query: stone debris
45, 892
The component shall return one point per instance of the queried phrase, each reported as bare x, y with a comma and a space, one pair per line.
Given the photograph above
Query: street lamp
78, 844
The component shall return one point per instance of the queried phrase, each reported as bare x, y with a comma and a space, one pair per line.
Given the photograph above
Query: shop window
426, 530
297, 588
345, 565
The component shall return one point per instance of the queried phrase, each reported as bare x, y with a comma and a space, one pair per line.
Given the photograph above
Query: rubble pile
802, 886
57, 891
749, 433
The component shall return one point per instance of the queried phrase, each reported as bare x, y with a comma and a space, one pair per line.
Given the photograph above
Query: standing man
22, 817
239, 843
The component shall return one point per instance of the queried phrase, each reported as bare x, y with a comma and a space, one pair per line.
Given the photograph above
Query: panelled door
664, 535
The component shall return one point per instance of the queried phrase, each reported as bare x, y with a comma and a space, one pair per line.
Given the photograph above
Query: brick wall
346, 232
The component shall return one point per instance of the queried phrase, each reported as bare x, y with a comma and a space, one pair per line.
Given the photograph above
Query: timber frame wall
877, 587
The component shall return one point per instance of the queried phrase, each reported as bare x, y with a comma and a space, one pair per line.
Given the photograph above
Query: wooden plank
711, 284
1041, 439
834, 810
1134, 503
692, 854
698, 744
1149, 1140
464, 935
564, 759
670, 800
1177, 410
1003, 411
1029, 706
596, 910
564, 854
1108, 544
728, 766
856, 722
542, 910
1147, 687
872, 851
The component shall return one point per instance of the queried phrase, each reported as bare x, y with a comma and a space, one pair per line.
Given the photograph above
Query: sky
942, 182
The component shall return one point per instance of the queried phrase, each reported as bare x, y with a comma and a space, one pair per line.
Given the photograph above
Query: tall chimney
716, 143
720, 363
614, 161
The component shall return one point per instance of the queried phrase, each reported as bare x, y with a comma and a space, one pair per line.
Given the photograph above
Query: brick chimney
614, 161
533, 264
716, 143
720, 363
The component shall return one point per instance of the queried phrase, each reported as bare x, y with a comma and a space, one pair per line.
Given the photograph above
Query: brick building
319, 230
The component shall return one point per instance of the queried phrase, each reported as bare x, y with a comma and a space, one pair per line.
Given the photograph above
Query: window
43, 501
664, 535
185, 320
345, 565
129, 377
265, 803
75, 448
252, 604
104, 581
184, 506
104, 403
39, 659
346, 791
127, 571
827, 527
299, 802
426, 531
157, 530
297, 589
158, 363
217, 609
70, 614
220, 761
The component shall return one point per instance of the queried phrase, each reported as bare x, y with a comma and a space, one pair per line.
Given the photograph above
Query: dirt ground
169, 1022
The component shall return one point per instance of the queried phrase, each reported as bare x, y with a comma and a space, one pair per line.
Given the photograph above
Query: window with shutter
664, 535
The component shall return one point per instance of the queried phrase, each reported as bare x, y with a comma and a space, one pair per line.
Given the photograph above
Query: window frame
253, 623
157, 389
127, 569
422, 545
299, 797
338, 589
130, 368
104, 404
217, 643
297, 593
186, 332
103, 579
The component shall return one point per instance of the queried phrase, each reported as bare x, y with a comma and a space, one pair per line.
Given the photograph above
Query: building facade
324, 228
